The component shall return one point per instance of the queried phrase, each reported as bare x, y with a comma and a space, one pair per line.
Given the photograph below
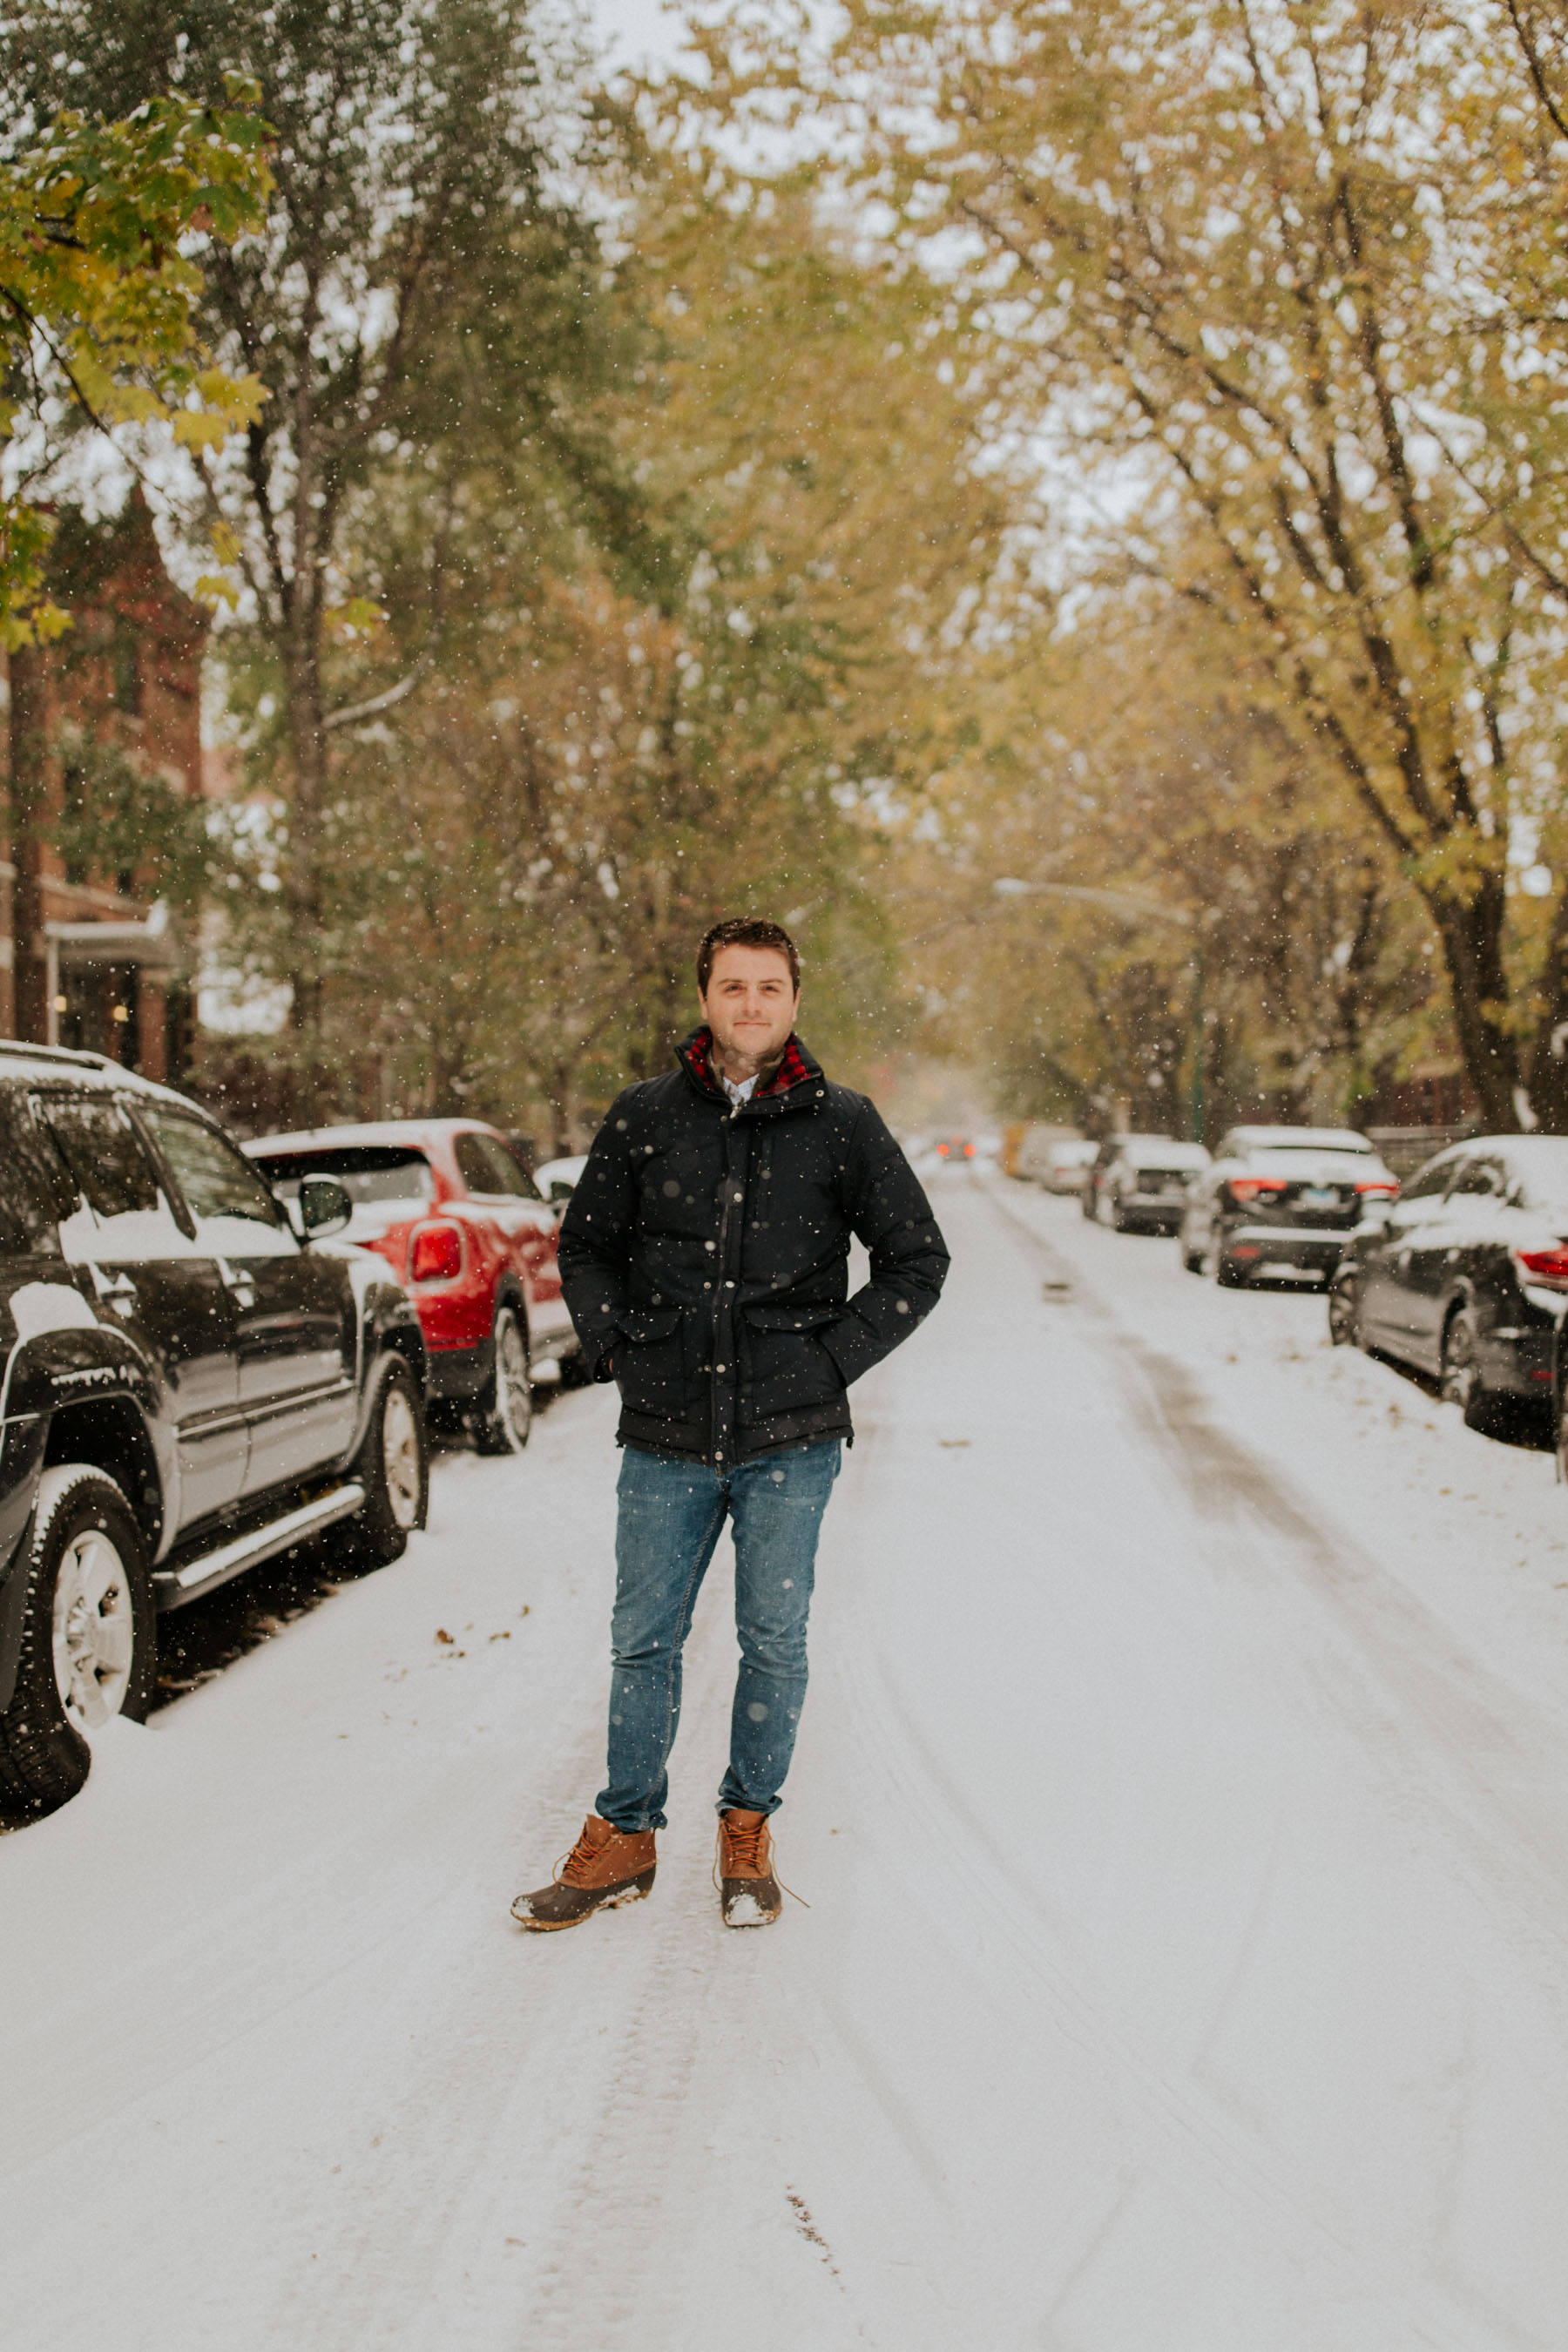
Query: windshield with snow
367, 1172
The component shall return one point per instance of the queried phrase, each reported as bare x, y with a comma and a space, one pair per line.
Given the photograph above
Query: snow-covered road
1181, 1803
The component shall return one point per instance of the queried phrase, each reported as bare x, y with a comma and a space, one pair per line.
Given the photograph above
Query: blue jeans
672, 1516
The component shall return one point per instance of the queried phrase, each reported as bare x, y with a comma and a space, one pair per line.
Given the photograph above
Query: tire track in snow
1437, 1730
1469, 1731
570, 2109
1179, 2125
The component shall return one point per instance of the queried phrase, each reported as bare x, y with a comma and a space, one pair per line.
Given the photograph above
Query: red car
449, 1206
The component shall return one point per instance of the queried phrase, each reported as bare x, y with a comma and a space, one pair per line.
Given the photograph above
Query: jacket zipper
720, 1277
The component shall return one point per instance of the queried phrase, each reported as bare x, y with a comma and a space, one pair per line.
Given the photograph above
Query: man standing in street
705, 1259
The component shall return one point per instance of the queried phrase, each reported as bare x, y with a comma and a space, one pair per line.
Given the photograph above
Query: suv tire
393, 1466
88, 1639
1462, 1378
505, 1415
1344, 1308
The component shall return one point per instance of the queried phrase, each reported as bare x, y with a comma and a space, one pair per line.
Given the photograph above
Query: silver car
1139, 1182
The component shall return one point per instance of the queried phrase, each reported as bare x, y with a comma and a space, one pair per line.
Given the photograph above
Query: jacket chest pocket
649, 1370
786, 1367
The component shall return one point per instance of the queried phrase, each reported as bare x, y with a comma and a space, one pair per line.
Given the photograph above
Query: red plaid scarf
789, 1073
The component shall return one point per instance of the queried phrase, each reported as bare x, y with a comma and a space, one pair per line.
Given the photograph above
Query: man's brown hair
746, 931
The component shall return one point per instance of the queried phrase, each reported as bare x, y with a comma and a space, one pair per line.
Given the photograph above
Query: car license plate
1279, 1269
1319, 1196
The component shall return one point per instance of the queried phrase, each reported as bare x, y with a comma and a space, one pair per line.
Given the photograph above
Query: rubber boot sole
633, 1891
742, 1909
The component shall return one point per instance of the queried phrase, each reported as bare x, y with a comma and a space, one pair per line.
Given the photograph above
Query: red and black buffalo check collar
790, 1069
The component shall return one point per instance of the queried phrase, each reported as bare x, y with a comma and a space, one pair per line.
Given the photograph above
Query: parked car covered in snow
559, 1179
194, 1377
1466, 1275
1065, 1164
1138, 1183
448, 1205
1281, 1202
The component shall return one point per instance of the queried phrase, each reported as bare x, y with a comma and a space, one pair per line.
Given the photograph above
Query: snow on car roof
1165, 1150
1541, 1159
20, 1059
407, 1133
1302, 1138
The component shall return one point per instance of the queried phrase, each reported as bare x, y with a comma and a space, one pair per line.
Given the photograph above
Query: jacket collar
794, 1068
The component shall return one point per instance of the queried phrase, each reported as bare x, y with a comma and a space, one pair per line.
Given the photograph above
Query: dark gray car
1466, 1277
1281, 1202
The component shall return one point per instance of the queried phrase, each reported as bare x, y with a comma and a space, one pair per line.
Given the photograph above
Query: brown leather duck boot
749, 1894
605, 1866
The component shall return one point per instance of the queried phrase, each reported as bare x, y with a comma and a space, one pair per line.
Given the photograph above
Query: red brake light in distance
1378, 1188
437, 1254
969, 1150
1548, 1267
1247, 1188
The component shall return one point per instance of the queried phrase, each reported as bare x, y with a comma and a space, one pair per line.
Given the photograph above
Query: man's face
750, 1003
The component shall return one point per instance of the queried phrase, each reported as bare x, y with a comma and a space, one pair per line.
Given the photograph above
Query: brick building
85, 958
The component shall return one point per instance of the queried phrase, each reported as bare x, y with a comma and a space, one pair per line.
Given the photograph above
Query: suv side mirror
325, 1207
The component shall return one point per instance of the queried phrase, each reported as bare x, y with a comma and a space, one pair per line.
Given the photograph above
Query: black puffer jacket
705, 1251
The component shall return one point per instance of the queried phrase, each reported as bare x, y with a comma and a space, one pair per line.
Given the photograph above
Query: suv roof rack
66, 1054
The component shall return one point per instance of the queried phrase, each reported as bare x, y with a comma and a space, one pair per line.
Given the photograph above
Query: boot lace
746, 1848
572, 1869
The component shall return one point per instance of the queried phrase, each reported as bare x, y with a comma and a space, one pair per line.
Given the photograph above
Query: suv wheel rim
94, 1631
400, 1458
514, 1391
1459, 1362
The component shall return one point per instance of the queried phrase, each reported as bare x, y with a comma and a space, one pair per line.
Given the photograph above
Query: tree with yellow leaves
1281, 291
100, 289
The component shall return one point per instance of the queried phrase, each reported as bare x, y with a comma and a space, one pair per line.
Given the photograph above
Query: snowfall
1180, 1820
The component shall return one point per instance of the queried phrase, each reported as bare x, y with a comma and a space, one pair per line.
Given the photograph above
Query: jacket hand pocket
647, 1356
787, 1368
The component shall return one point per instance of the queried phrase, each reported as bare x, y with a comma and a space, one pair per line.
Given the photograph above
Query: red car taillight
1248, 1188
435, 1254
1549, 1267
1377, 1188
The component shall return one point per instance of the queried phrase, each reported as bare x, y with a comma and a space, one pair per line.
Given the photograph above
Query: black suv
193, 1376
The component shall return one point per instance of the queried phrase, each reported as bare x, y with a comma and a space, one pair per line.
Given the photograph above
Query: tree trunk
28, 787
1472, 933
309, 744
1548, 1049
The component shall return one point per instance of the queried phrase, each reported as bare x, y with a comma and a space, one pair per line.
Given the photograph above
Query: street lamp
1136, 910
